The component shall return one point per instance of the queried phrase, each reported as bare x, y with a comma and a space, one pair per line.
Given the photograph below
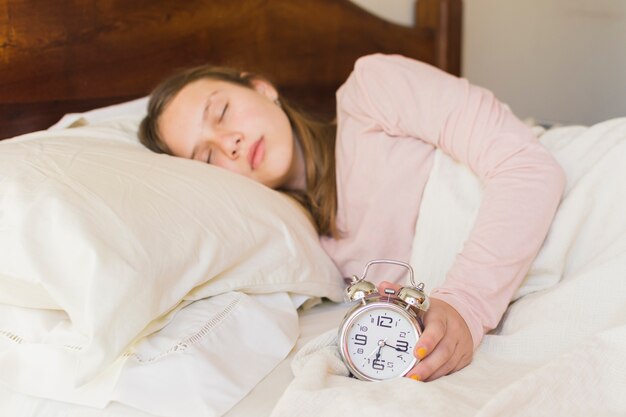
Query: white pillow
226, 344
136, 108
114, 237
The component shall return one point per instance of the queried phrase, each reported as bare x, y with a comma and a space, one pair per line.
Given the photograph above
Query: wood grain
69, 56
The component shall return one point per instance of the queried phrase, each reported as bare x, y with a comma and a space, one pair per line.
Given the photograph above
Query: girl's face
234, 127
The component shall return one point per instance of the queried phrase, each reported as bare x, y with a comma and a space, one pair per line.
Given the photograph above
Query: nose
230, 143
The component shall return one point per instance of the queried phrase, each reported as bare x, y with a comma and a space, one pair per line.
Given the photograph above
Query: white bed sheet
559, 350
259, 402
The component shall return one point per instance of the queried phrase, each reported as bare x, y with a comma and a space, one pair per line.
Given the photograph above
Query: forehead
197, 89
199, 93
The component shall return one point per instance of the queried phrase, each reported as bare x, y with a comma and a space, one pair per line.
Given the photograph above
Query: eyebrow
207, 106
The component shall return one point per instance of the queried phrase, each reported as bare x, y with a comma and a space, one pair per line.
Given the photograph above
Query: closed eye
223, 114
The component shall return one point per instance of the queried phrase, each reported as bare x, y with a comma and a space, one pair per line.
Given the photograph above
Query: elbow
548, 174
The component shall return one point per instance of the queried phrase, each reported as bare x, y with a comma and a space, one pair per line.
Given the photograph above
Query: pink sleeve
522, 182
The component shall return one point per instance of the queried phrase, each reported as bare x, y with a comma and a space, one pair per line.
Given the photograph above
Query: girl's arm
522, 181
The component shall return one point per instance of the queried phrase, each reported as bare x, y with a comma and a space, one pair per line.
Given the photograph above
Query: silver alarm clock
377, 337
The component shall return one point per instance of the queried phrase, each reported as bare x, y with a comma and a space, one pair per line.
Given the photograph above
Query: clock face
378, 341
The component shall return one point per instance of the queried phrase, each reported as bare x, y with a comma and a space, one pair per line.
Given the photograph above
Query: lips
256, 152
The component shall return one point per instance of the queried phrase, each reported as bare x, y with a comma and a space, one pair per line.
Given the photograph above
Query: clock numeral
402, 345
384, 321
362, 328
378, 364
389, 365
359, 351
360, 339
402, 334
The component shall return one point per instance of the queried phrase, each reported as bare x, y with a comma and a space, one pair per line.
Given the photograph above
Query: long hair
317, 139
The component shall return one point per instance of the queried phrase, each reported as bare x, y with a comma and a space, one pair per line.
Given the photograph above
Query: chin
274, 184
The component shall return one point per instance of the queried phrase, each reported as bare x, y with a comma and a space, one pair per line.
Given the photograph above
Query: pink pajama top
392, 113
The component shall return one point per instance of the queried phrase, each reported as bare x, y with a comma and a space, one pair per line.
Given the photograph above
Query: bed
130, 286
59, 60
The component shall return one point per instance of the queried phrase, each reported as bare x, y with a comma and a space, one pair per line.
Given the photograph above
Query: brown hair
317, 139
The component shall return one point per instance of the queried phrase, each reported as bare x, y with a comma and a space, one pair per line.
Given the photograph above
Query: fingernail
421, 352
415, 377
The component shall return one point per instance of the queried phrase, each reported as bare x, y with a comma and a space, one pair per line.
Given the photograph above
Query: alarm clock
378, 335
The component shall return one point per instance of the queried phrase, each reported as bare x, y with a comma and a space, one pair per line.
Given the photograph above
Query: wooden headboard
59, 57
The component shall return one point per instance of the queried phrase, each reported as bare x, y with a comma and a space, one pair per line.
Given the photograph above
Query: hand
375, 351
446, 344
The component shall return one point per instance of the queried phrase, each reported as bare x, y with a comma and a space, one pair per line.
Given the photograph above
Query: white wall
555, 60
396, 11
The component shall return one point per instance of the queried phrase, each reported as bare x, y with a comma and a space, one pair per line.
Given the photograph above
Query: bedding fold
103, 243
559, 347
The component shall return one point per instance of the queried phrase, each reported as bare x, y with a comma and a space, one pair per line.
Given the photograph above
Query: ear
264, 87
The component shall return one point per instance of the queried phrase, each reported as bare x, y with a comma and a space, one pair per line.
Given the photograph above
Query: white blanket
561, 346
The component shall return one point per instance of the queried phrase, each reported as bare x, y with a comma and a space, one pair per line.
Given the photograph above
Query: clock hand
378, 353
373, 352
380, 344
393, 347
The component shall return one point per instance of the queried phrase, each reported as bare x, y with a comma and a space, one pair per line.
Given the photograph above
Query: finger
458, 361
431, 356
435, 360
448, 365
462, 351
435, 328
386, 284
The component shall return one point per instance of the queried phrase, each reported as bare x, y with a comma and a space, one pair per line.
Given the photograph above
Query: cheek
277, 167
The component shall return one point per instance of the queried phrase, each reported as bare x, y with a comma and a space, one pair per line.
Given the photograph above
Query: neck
297, 174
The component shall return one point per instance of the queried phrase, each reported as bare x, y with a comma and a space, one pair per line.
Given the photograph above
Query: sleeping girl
361, 179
